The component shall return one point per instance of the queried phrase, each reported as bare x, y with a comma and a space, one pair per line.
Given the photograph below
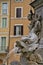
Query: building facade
4, 28
13, 25
19, 24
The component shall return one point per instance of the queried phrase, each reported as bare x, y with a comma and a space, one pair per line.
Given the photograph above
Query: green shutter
4, 22
3, 43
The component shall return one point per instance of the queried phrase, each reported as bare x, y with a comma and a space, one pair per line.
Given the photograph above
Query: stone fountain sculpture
28, 45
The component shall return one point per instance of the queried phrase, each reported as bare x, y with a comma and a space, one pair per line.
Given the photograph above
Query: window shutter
21, 30
14, 30
18, 12
4, 22
3, 43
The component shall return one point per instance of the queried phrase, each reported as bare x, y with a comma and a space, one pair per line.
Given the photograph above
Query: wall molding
4, 32
18, 24
12, 36
13, 18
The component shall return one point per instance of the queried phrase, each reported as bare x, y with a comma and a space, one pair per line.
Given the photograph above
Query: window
4, 22
18, 30
4, 8
3, 43
18, 0
19, 12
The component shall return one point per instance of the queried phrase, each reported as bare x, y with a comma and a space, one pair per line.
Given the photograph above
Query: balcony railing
3, 49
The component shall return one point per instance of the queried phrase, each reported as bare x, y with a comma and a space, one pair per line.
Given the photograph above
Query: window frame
7, 22
19, 1
16, 31
6, 42
7, 8
21, 13
2, 46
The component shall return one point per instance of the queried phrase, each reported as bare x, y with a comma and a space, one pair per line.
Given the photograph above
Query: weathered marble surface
15, 63
28, 45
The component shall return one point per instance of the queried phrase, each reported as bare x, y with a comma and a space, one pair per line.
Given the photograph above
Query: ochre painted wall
11, 23
4, 32
26, 8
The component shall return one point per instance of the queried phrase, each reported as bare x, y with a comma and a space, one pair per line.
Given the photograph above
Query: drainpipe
9, 30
